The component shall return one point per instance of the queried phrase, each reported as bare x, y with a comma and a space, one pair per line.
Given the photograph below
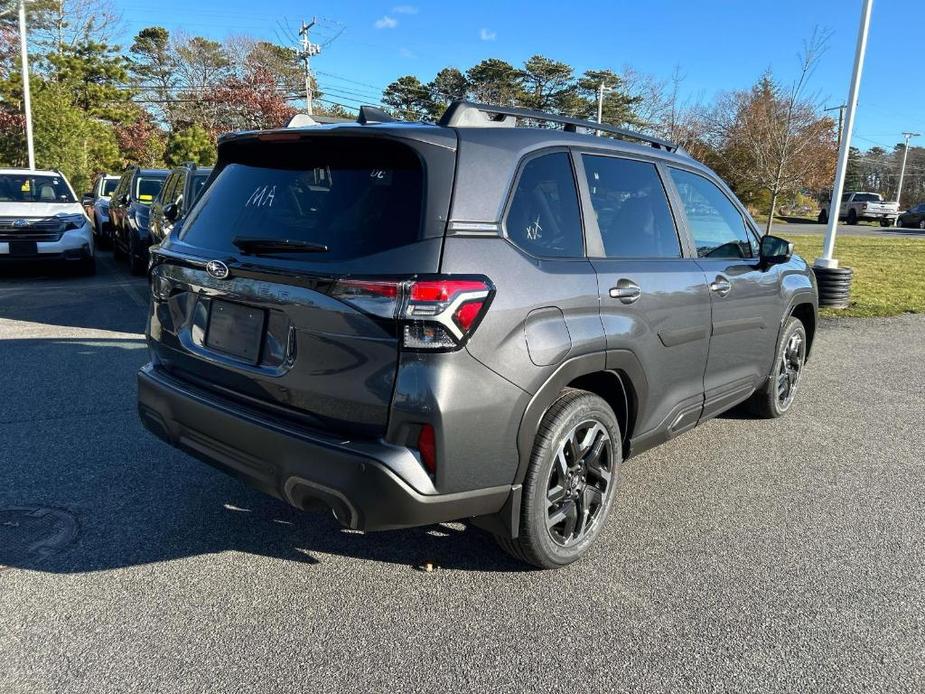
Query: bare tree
772, 137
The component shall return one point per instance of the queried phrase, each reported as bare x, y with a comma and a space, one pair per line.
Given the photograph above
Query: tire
102, 241
885, 223
575, 418
136, 264
117, 251
767, 402
823, 217
852, 217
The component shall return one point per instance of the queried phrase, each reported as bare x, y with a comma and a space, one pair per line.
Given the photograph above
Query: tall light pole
26, 96
827, 261
902, 171
600, 103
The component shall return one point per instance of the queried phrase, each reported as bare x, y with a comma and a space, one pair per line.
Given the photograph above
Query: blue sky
719, 45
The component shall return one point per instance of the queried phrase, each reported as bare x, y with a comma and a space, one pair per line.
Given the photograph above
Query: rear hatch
275, 292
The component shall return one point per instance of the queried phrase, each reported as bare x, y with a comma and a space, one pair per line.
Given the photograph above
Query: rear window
357, 197
866, 197
147, 188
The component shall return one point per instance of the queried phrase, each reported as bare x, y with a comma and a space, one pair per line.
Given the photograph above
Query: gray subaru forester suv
479, 319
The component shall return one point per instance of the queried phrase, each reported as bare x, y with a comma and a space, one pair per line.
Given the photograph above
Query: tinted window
199, 180
718, 228
631, 208
844, 198
109, 185
544, 218
147, 188
168, 192
355, 197
30, 188
866, 197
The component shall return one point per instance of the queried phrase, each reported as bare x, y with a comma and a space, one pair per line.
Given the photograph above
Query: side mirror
775, 250
171, 212
87, 199
123, 199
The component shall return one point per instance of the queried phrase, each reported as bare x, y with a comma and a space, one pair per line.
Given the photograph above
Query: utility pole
827, 261
26, 95
308, 50
902, 171
841, 115
600, 103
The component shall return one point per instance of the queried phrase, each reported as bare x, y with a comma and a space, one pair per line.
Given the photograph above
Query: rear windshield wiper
257, 246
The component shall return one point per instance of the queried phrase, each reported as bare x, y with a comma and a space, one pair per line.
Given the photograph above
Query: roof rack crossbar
467, 113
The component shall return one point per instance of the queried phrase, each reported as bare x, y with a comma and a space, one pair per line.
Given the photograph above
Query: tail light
436, 314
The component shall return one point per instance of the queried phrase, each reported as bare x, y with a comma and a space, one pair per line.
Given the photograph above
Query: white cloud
487, 34
386, 22
405, 9
406, 53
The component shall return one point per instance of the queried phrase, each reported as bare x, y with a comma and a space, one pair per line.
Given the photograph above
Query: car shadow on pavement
55, 294
86, 488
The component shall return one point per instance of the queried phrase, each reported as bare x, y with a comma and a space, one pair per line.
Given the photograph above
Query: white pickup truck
856, 207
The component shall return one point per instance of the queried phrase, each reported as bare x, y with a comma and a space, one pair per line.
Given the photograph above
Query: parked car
180, 191
128, 214
858, 207
96, 205
41, 220
414, 323
913, 217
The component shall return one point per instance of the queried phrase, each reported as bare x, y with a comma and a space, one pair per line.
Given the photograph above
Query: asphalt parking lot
743, 556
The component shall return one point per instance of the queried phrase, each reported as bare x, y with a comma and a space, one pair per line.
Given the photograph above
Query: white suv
41, 220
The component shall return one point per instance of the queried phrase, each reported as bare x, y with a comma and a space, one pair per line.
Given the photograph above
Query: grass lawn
889, 273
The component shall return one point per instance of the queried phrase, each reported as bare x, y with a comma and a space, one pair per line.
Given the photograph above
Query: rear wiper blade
257, 245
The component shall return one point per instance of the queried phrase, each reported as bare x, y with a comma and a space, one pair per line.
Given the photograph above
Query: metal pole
600, 103
26, 95
902, 173
827, 261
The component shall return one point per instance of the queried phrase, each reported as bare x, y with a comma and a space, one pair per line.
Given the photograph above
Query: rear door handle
720, 286
626, 291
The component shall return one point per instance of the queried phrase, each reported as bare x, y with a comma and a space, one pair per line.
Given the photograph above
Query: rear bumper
368, 485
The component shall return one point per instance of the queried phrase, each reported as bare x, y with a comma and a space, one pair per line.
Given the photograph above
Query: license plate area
23, 248
236, 330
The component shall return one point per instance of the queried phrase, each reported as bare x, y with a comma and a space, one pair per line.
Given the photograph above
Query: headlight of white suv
72, 221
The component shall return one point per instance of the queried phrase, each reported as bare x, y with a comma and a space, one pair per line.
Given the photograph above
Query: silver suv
413, 323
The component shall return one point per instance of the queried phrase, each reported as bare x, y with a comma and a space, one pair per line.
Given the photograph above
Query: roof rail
461, 114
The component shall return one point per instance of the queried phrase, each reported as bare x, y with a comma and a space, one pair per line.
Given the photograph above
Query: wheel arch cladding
615, 376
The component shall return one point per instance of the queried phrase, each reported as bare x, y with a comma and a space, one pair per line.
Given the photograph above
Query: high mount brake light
436, 314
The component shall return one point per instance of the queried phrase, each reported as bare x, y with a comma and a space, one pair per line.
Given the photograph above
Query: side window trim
722, 189
512, 191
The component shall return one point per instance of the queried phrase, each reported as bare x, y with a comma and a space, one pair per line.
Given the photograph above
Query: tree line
165, 97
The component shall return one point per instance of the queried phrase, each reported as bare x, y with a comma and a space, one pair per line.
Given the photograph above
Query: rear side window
357, 197
544, 217
631, 207
718, 228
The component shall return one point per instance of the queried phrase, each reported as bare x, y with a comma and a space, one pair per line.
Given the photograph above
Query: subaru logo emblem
217, 269
19, 223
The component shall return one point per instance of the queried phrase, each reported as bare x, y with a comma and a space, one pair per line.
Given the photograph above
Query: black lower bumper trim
361, 489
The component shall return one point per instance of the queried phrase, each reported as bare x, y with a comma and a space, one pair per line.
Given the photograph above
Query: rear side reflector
437, 314
427, 447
